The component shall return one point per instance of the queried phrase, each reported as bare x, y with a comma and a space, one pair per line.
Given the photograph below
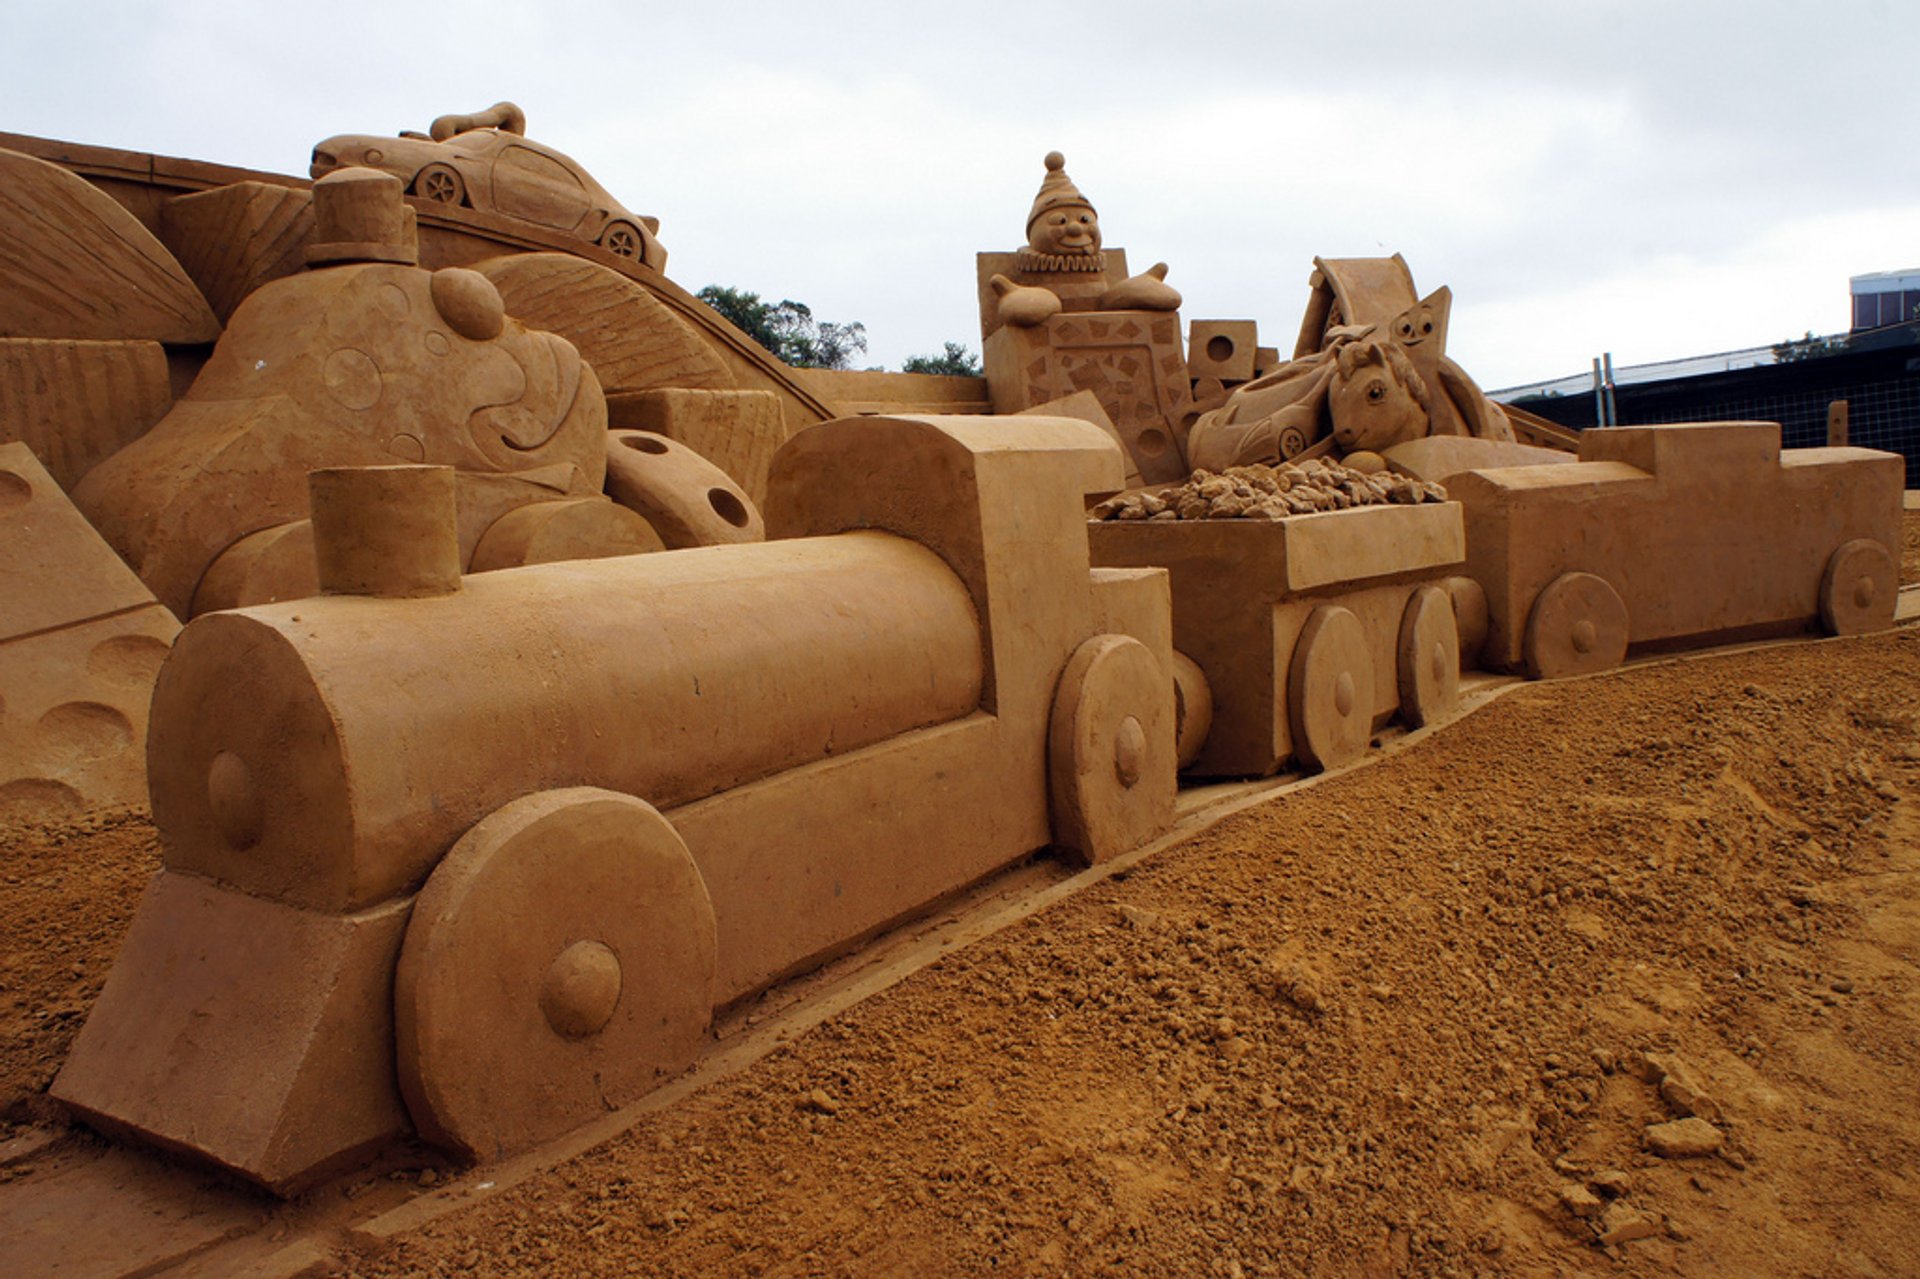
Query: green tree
788, 329
1808, 347
957, 361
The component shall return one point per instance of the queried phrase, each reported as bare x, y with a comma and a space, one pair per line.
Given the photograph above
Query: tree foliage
1808, 347
788, 329
956, 361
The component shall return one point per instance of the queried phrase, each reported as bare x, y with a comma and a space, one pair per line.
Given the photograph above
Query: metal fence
1880, 415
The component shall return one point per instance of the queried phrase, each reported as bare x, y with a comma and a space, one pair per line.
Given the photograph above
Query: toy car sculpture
485, 162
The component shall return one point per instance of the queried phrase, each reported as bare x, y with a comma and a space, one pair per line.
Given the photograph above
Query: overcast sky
1653, 179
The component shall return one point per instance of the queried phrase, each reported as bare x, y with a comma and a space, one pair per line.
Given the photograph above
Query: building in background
1875, 368
1882, 298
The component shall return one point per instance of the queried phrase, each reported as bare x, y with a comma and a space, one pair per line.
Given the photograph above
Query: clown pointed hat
1056, 189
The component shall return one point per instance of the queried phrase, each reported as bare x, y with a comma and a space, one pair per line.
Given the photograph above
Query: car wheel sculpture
440, 183
624, 240
1110, 749
1858, 591
1578, 626
559, 962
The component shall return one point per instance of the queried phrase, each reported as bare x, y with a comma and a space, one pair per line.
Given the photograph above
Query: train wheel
441, 184
1860, 589
1110, 750
1429, 658
1330, 689
559, 962
1578, 626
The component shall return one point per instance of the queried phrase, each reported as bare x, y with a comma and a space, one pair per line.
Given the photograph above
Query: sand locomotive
480, 857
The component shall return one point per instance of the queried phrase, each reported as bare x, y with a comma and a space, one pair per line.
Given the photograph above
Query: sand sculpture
485, 161
365, 358
1679, 535
1061, 315
682, 776
919, 682
1370, 372
1314, 603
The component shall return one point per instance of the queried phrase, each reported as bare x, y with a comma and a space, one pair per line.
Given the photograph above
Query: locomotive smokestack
385, 530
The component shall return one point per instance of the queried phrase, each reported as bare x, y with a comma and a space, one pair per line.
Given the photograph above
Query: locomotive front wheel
1578, 626
1429, 658
1330, 689
559, 963
1859, 590
1110, 750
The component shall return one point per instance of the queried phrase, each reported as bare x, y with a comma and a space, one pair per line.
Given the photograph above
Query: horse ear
1344, 357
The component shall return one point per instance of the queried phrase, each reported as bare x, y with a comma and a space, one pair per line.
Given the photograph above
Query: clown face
1066, 230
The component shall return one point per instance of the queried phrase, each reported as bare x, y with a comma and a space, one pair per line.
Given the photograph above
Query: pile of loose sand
1426, 1018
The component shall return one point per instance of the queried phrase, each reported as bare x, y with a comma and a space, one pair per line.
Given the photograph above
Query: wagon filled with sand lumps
1312, 603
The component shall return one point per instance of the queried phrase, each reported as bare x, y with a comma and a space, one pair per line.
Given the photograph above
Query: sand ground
1413, 1021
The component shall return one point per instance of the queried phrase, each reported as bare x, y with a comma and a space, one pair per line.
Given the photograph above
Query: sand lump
1268, 493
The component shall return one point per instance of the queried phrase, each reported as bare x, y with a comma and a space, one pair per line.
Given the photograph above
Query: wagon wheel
1429, 658
1858, 591
1110, 749
559, 962
441, 184
623, 240
1330, 689
1578, 626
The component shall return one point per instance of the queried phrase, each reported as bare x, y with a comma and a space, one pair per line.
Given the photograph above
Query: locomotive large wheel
1578, 626
1110, 750
1429, 658
1330, 689
1860, 589
559, 963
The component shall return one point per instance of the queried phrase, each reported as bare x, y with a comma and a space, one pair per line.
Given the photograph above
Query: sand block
73, 714
1224, 349
76, 403
1704, 531
1136, 602
57, 570
1130, 360
246, 1032
1085, 405
80, 642
233, 239
737, 431
1441, 457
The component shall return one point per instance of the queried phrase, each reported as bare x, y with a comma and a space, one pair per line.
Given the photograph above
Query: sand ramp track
1416, 1018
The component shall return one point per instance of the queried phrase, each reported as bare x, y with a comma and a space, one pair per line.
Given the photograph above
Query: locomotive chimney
388, 531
